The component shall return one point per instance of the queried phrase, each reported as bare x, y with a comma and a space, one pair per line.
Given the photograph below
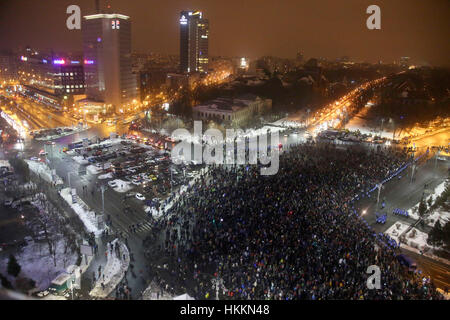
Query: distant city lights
59, 61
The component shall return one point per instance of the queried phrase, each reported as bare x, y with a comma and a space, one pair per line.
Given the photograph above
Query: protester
292, 235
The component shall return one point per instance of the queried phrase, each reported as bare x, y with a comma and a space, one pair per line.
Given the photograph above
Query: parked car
136, 182
112, 184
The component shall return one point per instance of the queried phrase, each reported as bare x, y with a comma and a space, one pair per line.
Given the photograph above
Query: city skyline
238, 29
242, 150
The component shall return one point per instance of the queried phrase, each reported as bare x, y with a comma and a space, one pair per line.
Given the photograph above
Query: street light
379, 186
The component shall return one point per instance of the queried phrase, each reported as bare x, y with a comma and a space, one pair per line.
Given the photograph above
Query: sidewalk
117, 260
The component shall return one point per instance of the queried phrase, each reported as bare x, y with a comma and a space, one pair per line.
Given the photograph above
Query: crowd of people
292, 235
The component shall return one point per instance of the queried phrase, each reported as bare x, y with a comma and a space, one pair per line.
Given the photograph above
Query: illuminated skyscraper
194, 33
107, 59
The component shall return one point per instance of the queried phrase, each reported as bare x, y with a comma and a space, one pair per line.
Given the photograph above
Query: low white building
233, 111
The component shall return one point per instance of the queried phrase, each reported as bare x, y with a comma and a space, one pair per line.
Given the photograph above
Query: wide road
438, 271
403, 194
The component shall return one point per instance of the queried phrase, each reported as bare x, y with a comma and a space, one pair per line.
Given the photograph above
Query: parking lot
139, 170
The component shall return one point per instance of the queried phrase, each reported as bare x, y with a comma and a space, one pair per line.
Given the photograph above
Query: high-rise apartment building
194, 33
107, 60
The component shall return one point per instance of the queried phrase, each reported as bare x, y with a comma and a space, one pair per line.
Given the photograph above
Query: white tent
183, 297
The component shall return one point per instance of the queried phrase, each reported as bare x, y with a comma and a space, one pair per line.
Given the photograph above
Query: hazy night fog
320, 28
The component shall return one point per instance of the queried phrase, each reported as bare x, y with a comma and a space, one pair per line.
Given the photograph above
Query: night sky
320, 28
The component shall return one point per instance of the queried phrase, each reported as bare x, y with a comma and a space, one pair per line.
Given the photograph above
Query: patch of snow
87, 216
80, 160
108, 175
93, 169
122, 186
414, 238
37, 264
44, 171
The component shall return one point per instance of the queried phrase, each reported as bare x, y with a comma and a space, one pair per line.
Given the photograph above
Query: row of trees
13, 269
439, 235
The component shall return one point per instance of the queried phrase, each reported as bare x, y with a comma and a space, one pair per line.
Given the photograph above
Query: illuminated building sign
115, 24
23, 58
88, 61
44, 61
59, 61
183, 20
74, 62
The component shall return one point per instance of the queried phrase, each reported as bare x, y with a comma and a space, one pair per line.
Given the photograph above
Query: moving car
140, 196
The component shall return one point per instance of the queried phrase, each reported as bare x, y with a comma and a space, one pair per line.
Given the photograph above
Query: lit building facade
234, 111
194, 34
107, 59
52, 78
8, 67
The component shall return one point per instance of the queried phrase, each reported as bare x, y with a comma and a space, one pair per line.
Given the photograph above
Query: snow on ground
63, 134
288, 123
443, 216
414, 238
167, 205
38, 264
5, 163
113, 271
191, 138
83, 211
414, 211
44, 171
108, 175
93, 169
369, 131
151, 293
396, 230
53, 297
122, 186
80, 160
107, 141
70, 152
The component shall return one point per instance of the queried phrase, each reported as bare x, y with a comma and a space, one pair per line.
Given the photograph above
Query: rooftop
227, 104
107, 16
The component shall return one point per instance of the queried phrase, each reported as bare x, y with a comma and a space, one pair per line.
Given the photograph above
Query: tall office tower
107, 60
194, 33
